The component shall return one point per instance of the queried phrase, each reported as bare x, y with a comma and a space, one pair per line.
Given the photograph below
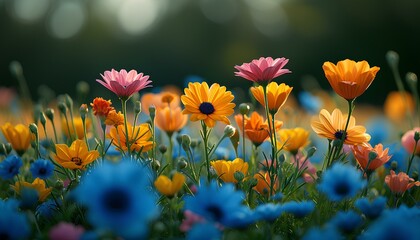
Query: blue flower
204, 231
399, 155
340, 182
379, 129
28, 198
216, 204
48, 209
9, 167
326, 233
42, 168
372, 209
347, 222
400, 223
299, 209
309, 102
13, 224
118, 198
269, 211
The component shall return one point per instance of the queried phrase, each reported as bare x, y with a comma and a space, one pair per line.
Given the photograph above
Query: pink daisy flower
263, 70
124, 84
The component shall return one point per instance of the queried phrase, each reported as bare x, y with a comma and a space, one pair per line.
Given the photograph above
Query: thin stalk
243, 137
344, 135
84, 133
205, 136
55, 132
124, 109
410, 161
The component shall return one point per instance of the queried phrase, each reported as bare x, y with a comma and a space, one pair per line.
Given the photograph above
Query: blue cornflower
118, 198
28, 198
216, 204
340, 182
48, 209
42, 168
372, 209
242, 218
9, 167
400, 223
269, 211
325, 233
13, 224
299, 209
204, 231
347, 222
309, 102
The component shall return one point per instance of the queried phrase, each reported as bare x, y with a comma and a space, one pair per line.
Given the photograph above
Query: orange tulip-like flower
256, 129
400, 183
77, 156
101, 107
170, 119
264, 183
169, 187
409, 143
159, 100
361, 153
276, 95
348, 78
18, 136
114, 119
38, 185
292, 139
332, 126
226, 169
262, 70
138, 136
208, 104
78, 124
398, 105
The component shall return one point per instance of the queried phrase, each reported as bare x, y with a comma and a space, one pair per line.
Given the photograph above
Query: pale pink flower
408, 141
66, 231
262, 70
400, 183
124, 84
309, 174
189, 220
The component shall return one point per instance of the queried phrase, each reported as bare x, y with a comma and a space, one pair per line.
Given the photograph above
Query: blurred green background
62, 42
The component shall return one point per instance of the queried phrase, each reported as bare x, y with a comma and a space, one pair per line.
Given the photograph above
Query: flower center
339, 134
206, 108
215, 212
342, 189
116, 200
42, 171
77, 160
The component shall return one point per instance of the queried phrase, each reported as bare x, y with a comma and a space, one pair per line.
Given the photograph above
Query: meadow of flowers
197, 164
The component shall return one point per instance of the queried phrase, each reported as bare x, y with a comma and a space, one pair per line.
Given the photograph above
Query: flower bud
162, 149
37, 112
62, 107
229, 131
253, 182
181, 164
416, 136
244, 108
42, 119
137, 107
83, 111
68, 101
155, 165
33, 128
186, 142
16, 68
49, 112
59, 185
152, 111
394, 165
82, 88
239, 176
195, 143
311, 152
411, 78
393, 58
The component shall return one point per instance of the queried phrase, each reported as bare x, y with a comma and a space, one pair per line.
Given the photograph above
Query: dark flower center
12, 169
76, 160
342, 189
339, 134
42, 171
215, 211
206, 108
116, 200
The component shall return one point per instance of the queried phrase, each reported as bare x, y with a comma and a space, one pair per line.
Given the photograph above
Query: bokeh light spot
67, 19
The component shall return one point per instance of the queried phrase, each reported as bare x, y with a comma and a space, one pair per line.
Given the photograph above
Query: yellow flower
332, 126
76, 156
170, 119
139, 137
348, 78
226, 169
263, 186
19, 136
78, 124
208, 104
114, 119
38, 185
159, 100
169, 187
293, 139
276, 95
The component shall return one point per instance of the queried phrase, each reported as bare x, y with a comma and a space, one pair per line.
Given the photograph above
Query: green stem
103, 125
206, 154
243, 137
410, 161
55, 132
84, 133
344, 135
124, 109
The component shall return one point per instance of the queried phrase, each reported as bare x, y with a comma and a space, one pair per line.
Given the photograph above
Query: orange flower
348, 78
397, 105
38, 185
170, 119
101, 107
159, 100
78, 124
276, 95
264, 183
18, 136
138, 136
114, 119
77, 156
293, 139
169, 187
400, 183
256, 129
209, 104
361, 153
332, 126
226, 169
